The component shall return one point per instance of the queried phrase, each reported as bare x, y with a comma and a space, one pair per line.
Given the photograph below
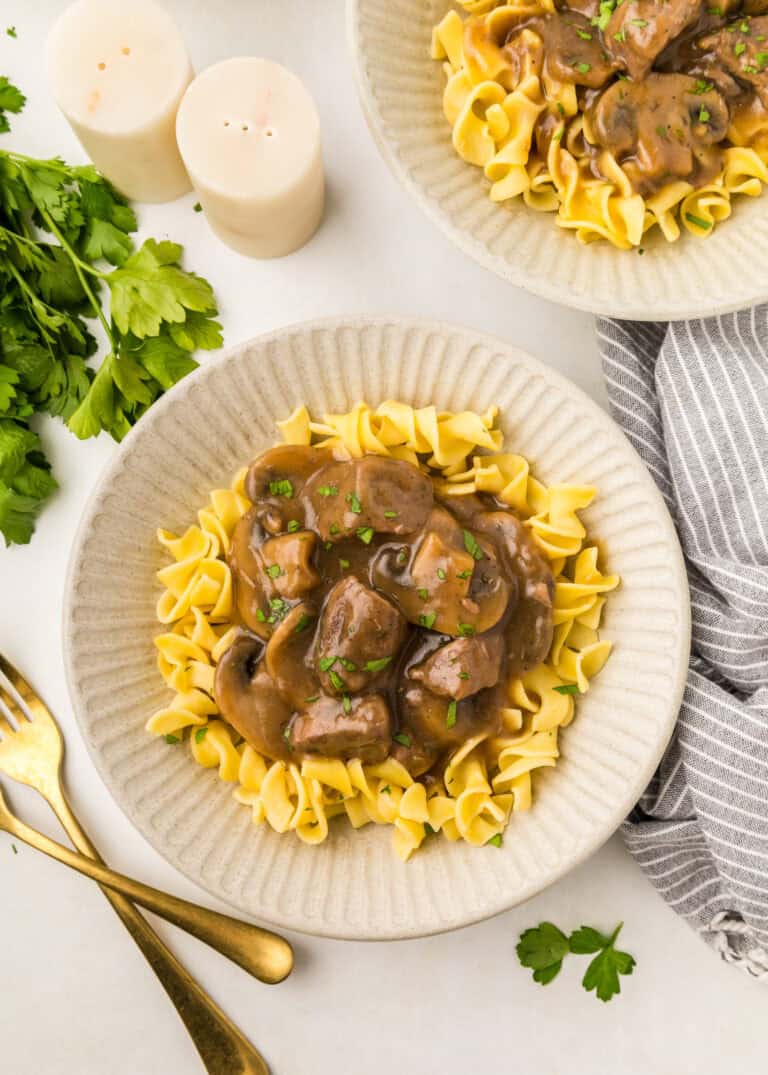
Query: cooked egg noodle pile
487, 779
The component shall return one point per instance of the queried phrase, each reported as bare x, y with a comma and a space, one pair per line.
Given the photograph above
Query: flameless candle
249, 134
119, 69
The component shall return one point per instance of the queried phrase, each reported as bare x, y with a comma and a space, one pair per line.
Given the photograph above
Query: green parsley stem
78, 267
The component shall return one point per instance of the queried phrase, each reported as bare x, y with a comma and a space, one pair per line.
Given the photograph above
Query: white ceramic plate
401, 90
193, 441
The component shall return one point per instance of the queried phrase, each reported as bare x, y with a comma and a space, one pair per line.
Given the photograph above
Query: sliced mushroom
287, 563
377, 494
287, 657
249, 700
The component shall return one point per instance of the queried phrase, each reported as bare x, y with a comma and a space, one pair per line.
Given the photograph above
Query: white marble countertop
76, 998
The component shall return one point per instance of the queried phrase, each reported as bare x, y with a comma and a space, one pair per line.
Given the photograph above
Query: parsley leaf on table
603, 972
153, 313
543, 949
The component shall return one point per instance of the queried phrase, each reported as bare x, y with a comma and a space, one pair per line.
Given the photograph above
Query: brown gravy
375, 618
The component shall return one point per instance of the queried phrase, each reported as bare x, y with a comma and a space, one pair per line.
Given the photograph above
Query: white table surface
76, 998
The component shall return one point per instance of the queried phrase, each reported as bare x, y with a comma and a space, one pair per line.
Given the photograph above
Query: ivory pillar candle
249, 134
119, 69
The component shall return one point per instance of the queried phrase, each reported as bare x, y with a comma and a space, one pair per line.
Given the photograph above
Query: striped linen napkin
693, 399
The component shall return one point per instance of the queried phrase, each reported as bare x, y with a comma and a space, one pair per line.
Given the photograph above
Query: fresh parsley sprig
544, 948
68, 259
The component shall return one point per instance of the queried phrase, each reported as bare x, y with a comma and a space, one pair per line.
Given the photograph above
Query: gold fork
32, 754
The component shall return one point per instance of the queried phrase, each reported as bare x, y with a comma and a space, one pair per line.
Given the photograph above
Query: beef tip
660, 129
417, 757
359, 636
450, 580
640, 29
249, 700
742, 49
326, 728
387, 496
287, 564
462, 667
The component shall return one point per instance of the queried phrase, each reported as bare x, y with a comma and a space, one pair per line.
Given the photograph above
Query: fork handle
262, 953
223, 1048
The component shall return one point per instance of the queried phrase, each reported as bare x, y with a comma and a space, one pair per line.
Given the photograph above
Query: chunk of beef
573, 49
462, 667
641, 29
359, 636
440, 723
326, 728
742, 49
660, 129
387, 496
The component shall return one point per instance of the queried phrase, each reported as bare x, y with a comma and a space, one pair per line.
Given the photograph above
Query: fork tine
9, 708
23, 690
13, 702
6, 731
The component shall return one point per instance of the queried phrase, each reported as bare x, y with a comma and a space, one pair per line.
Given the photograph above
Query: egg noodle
486, 779
493, 128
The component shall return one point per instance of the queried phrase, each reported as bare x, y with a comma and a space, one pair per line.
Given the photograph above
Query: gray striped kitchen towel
693, 399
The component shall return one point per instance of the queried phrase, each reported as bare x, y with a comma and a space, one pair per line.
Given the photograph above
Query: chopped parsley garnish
638, 22
403, 739
464, 574
402, 556
702, 86
346, 663
423, 593
328, 490
582, 67
738, 48
567, 688
337, 682
464, 675
377, 665
558, 134
714, 10
744, 26
334, 528
273, 570
354, 503
661, 130
260, 616
697, 220
293, 526
387, 790
748, 69
200, 734
390, 514
171, 740
762, 59
304, 622
441, 574
197, 208
606, 9
11, 31
326, 663
281, 488
560, 108
427, 620
466, 630
495, 841
287, 736
343, 564
279, 608
704, 116
314, 698
450, 716
470, 544
365, 533
327, 545
585, 35
621, 36
346, 703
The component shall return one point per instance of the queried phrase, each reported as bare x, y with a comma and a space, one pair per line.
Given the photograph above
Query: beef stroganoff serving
620, 116
385, 617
